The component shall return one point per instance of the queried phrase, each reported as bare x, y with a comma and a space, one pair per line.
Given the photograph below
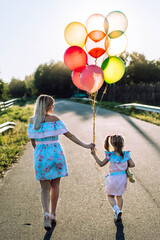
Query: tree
30, 89
140, 70
3, 90
17, 88
53, 79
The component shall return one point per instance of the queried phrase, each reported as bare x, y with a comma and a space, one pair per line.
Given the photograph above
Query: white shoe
47, 222
118, 216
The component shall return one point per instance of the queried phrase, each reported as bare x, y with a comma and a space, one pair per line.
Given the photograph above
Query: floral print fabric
49, 159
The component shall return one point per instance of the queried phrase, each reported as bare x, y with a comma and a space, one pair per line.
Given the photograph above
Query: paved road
83, 210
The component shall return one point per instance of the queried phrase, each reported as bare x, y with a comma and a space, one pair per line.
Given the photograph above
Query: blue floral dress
49, 159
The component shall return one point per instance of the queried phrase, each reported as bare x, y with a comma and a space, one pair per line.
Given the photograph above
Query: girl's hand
93, 152
91, 146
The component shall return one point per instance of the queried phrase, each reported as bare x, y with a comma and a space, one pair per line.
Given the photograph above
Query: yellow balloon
113, 69
75, 34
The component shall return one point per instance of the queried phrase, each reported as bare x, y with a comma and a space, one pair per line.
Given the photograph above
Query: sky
32, 31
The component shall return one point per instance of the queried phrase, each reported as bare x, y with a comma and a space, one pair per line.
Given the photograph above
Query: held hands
91, 146
93, 152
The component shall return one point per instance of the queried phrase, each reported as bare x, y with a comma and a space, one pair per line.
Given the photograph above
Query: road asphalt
83, 211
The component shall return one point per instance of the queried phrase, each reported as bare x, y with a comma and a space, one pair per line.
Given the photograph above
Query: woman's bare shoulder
51, 118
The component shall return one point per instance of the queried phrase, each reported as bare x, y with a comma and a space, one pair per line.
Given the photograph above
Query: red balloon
75, 58
76, 80
92, 78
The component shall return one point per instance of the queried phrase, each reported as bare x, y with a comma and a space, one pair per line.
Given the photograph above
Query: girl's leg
112, 200
55, 183
45, 194
116, 209
119, 202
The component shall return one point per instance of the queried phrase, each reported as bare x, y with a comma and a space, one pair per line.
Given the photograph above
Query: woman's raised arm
74, 139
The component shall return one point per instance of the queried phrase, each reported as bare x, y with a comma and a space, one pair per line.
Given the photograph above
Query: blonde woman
49, 159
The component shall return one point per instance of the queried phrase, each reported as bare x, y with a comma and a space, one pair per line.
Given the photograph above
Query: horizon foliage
54, 78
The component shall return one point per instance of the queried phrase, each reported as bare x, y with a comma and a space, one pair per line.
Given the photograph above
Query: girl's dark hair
117, 142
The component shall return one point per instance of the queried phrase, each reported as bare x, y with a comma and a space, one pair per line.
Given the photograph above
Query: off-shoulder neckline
48, 122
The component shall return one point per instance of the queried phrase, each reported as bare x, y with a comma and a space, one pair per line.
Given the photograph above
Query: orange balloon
92, 78
75, 34
98, 61
96, 49
96, 35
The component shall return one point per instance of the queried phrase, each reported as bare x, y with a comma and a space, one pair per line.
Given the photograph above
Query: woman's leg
55, 183
119, 202
45, 194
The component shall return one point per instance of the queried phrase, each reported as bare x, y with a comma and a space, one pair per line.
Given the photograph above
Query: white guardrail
141, 107
7, 104
4, 106
7, 125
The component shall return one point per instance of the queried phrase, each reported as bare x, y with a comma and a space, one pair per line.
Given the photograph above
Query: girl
49, 159
116, 181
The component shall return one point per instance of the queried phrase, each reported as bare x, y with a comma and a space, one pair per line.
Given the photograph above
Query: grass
151, 117
12, 142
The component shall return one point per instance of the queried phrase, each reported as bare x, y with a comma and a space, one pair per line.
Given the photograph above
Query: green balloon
113, 69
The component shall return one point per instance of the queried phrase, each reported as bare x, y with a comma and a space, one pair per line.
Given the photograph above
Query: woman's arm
131, 163
74, 139
33, 143
98, 161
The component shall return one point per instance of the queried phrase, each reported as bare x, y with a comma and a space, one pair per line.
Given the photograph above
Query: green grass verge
12, 141
142, 115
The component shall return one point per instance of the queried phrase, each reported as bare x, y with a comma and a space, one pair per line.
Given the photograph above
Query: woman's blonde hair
43, 103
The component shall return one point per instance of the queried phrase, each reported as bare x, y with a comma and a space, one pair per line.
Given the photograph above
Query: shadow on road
119, 233
48, 235
154, 144
83, 112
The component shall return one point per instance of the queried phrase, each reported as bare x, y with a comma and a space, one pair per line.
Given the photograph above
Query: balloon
98, 61
96, 49
117, 45
75, 58
76, 80
75, 34
115, 24
92, 78
95, 27
113, 69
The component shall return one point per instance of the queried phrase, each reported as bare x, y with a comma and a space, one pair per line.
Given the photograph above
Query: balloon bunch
104, 40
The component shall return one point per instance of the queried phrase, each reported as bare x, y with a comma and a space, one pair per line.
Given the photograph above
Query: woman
49, 159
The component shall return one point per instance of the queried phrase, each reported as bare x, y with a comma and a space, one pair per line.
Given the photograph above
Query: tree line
54, 78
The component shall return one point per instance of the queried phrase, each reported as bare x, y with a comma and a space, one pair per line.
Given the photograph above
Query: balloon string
93, 109
93, 101
104, 92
